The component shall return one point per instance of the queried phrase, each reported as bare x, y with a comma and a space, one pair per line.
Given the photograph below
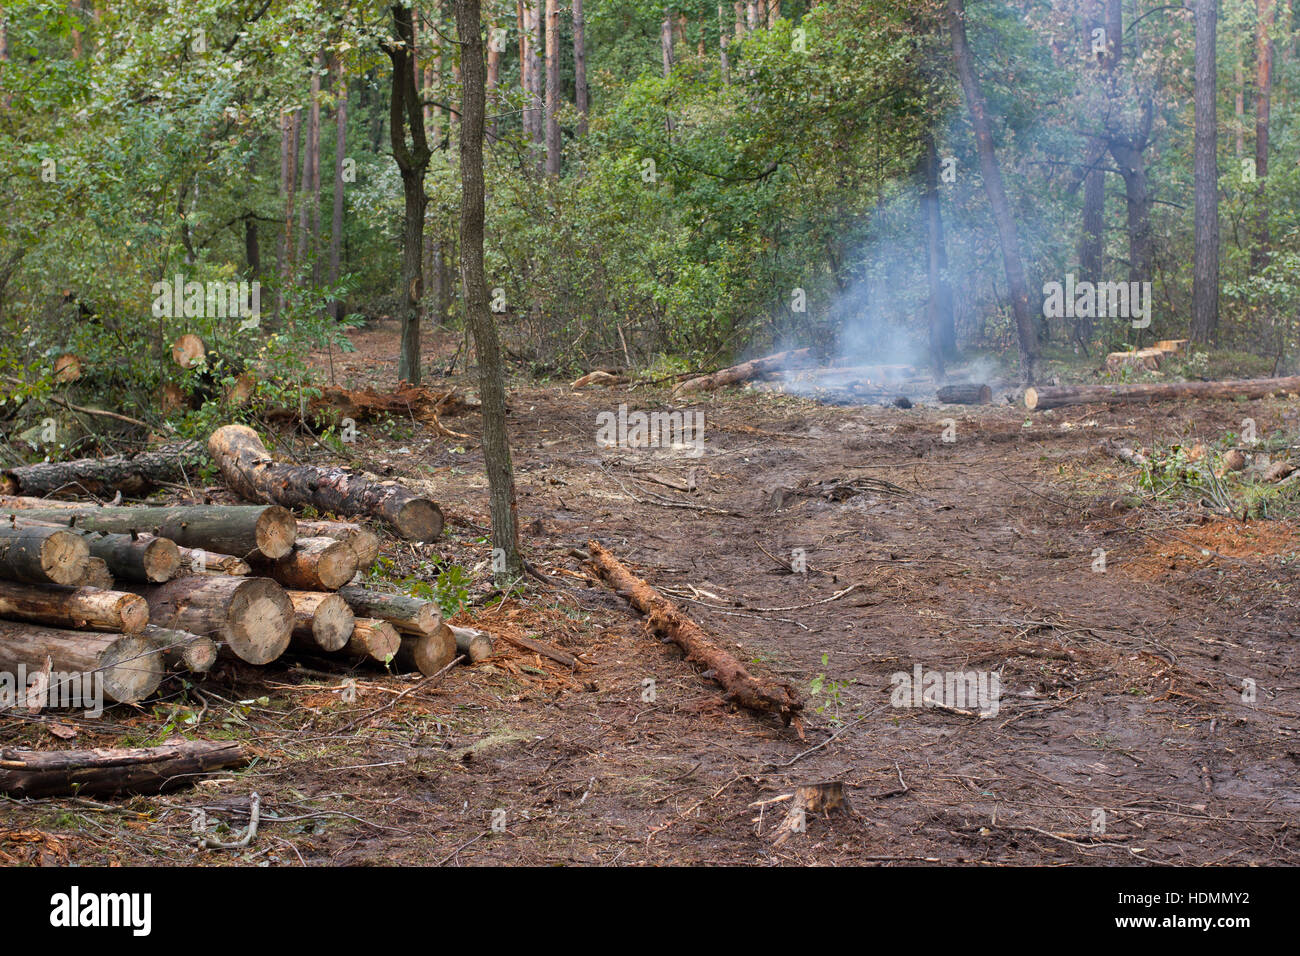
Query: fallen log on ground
409, 615
314, 564
42, 555
129, 664
427, 653
971, 394
374, 639
251, 617
229, 529
664, 618
476, 645
251, 472
105, 773
362, 540
1054, 397
745, 371
132, 475
600, 377
74, 607
322, 620
544, 649
182, 650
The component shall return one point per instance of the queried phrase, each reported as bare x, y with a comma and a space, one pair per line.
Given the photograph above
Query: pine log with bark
42, 555
314, 564
130, 665
427, 653
362, 540
74, 607
182, 650
132, 475
664, 618
373, 639
972, 394
251, 617
1041, 399
743, 372
409, 615
322, 620
251, 472
106, 773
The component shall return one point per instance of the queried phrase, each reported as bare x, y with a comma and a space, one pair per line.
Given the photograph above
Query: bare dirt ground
1122, 691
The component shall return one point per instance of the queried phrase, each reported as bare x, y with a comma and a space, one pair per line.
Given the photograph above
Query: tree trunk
132, 475
251, 473
666, 43
552, 88
1264, 15
938, 305
130, 664
106, 773
361, 540
1092, 242
1205, 166
1017, 287
229, 529
340, 158
289, 184
412, 161
322, 621
251, 617
314, 564
409, 615
580, 92
41, 555
183, 651
496, 445
524, 12
1044, 398
373, 639
428, 653
724, 40
309, 221
74, 607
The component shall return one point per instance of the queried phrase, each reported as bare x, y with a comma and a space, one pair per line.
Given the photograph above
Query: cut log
105, 773
374, 639
182, 650
362, 540
199, 561
746, 370
147, 559
250, 617
132, 475
128, 664
664, 618
474, 644
173, 398
68, 368
251, 472
972, 394
241, 389
97, 575
42, 555
409, 615
427, 653
188, 351
314, 564
599, 377
229, 529
1044, 398
322, 621
1278, 470
74, 607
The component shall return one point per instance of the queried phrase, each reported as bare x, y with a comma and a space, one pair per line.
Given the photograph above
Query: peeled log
37, 555
746, 370
129, 663
973, 394
314, 564
132, 475
664, 618
409, 615
182, 650
428, 653
1044, 398
362, 540
251, 472
474, 644
74, 607
375, 639
105, 773
230, 529
322, 621
251, 617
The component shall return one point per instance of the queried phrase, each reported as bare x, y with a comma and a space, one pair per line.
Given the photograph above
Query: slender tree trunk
412, 161
1205, 167
340, 156
493, 77
722, 42
1017, 287
773, 12
1264, 16
289, 186
580, 91
934, 242
309, 217
738, 8
496, 446
552, 87
666, 43
536, 51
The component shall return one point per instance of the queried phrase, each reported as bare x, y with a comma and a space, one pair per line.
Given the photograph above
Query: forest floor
1121, 736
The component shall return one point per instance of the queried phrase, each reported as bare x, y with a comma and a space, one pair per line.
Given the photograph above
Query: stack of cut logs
128, 592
